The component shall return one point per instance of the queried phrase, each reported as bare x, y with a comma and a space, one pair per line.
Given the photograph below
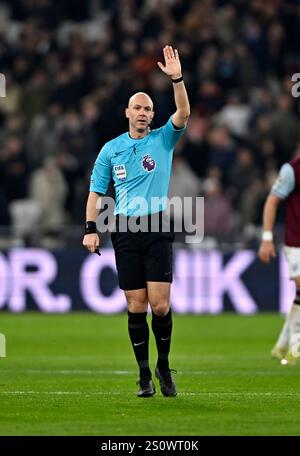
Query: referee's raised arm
91, 239
172, 68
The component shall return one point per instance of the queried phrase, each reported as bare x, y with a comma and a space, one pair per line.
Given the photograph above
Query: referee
140, 162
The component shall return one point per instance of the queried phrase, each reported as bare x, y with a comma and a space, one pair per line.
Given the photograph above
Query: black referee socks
139, 335
162, 330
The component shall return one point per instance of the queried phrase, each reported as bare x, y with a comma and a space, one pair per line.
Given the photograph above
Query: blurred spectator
11, 102
35, 96
13, 127
242, 174
47, 187
184, 181
222, 148
44, 134
146, 62
285, 126
14, 169
218, 212
251, 203
235, 116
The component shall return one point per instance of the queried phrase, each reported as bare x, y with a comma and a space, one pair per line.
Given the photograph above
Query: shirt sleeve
101, 174
171, 134
285, 182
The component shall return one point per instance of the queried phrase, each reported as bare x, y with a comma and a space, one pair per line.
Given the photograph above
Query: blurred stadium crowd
71, 66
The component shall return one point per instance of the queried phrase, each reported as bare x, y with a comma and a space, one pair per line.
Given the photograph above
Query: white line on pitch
116, 393
71, 371
228, 373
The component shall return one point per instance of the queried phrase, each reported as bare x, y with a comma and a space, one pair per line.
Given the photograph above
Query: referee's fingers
90, 247
91, 243
95, 244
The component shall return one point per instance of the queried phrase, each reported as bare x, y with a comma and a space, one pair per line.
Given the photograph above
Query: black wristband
177, 80
90, 227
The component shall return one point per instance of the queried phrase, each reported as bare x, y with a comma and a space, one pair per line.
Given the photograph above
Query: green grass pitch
75, 374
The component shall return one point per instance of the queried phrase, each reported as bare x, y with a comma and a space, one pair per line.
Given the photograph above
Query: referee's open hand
91, 242
172, 66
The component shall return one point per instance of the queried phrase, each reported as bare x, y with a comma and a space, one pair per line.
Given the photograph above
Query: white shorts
293, 258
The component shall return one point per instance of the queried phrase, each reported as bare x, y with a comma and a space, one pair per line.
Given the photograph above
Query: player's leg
159, 300
131, 277
286, 342
281, 347
294, 326
158, 272
138, 329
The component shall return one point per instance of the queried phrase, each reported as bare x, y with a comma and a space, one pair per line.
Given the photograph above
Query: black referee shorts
143, 257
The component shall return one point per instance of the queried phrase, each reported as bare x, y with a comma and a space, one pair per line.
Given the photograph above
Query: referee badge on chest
120, 172
148, 164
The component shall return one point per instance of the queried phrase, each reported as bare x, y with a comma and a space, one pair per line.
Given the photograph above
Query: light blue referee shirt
285, 182
140, 168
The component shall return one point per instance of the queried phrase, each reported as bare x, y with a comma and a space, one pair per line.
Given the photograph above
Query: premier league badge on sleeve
148, 163
120, 172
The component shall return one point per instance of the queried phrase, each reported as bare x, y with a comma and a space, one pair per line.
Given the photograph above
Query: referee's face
140, 113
